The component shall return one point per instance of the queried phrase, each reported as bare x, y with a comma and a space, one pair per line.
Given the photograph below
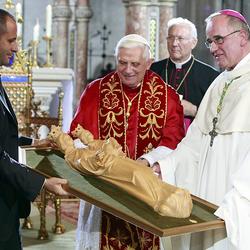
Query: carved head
62, 140
84, 135
54, 133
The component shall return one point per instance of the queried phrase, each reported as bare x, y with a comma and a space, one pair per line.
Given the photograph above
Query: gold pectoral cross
213, 133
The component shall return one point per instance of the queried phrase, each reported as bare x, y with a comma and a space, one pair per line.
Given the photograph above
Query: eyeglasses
218, 39
179, 39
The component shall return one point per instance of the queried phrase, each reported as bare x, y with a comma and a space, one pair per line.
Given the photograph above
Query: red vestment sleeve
87, 111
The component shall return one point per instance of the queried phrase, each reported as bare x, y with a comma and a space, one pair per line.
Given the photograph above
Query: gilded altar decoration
9, 4
151, 111
17, 83
105, 160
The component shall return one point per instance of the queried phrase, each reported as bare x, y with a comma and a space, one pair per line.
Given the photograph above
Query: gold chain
129, 104
127, 114
213, 133
183, 79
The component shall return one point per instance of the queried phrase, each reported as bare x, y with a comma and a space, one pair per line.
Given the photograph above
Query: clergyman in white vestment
213, 160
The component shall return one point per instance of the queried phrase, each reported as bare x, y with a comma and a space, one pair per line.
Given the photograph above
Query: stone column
167, 10
137, 16
149, 18
61, 17
83, 14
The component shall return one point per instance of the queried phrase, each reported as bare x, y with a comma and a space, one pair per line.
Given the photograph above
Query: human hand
188, 108
56, 186
157, 170
112, 147
44, 143
143, 161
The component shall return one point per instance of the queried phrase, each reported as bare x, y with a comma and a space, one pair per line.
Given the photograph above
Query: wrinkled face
8, 43
180, 42
131, 66
228, 53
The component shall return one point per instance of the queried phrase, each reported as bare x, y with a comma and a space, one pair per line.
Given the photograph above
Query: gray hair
133, 41
182, 21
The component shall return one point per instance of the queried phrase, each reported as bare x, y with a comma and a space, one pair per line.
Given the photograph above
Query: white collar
178, 65
243, 61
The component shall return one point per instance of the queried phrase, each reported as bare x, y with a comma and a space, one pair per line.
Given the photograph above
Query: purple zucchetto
233, 13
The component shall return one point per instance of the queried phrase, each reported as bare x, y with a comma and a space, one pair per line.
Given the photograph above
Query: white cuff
167, 170
156, 154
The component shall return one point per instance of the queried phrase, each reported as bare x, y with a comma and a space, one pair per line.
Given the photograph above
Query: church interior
64, 45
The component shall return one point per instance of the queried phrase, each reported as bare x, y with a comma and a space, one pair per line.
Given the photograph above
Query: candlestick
18, 9
19, 20
35, 50
36, 31
19, 29
48, 63
19, 42
48, 20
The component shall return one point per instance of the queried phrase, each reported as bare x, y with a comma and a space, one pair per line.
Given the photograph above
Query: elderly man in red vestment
137, 108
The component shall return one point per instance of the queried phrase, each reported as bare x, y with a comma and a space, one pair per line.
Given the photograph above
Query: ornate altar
17, 83
47, 84
37, 97
38, 100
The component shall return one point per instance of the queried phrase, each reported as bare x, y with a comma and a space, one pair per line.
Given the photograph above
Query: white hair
133, 41
182, 21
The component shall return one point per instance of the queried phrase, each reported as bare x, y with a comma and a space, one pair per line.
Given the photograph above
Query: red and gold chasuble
151, 115
113, 122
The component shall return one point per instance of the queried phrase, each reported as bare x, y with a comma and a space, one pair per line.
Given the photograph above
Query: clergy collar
243, 61
179, 65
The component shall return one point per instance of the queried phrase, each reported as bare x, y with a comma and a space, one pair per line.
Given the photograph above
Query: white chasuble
212, 172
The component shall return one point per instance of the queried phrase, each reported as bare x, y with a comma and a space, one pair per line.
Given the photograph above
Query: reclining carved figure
105, 159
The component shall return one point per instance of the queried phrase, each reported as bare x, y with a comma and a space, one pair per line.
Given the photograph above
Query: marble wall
110, 13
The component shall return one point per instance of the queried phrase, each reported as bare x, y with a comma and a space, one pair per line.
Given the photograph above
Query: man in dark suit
18, 184
187, 75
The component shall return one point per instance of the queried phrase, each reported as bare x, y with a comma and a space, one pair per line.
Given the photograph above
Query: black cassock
193, 81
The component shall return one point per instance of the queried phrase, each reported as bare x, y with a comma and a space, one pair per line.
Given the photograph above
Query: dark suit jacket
18, 185
197, 81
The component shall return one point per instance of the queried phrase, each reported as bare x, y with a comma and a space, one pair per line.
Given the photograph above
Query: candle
48, 20
19, 29
18, 10
19, 19
36, 31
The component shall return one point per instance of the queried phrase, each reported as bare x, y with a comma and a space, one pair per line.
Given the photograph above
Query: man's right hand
56, 185
143, 161
157, 170
189, 109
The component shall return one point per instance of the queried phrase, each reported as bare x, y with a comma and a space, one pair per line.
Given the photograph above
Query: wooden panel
119, 203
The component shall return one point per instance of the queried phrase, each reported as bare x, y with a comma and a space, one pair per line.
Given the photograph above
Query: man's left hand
157, 169
43, 143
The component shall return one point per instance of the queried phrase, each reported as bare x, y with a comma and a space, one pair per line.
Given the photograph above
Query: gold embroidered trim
152, 104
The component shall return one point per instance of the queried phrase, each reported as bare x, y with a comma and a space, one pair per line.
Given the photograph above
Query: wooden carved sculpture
105, 159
